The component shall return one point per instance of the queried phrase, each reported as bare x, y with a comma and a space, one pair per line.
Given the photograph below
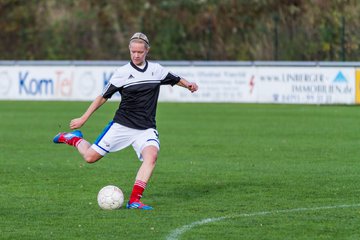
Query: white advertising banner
216, 84
313, 85
248, 84
52, 83
219, 84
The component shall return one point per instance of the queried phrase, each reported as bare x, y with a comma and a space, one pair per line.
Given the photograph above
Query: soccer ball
110, 197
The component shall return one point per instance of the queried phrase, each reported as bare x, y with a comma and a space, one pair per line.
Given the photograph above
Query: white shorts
116, 137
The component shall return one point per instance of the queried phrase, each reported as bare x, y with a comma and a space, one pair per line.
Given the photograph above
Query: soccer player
138, 83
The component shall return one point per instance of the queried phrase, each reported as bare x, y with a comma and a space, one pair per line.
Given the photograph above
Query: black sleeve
109, 90
170, 79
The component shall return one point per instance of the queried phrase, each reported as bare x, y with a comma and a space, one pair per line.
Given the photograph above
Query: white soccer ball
110, 198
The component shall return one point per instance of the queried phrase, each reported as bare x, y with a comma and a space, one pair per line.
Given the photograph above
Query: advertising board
244, 84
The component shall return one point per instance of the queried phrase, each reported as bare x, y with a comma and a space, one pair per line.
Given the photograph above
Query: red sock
137, 191
74, 141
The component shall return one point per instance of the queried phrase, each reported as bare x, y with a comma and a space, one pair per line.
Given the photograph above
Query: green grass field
225, 171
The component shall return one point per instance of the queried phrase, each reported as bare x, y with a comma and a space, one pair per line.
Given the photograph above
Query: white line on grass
174, 235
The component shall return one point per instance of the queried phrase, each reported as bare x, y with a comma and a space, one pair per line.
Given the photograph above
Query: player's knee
150, 156
91, 158
153, 158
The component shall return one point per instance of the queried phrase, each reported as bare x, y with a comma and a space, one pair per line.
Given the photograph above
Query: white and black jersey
139, 90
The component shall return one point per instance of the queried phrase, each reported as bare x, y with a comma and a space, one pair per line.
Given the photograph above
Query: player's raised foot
65, 137
138, 205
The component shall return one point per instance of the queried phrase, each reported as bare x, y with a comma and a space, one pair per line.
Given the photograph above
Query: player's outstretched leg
72, 138
75, 138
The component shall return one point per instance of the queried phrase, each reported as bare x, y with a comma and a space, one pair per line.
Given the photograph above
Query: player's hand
193, 87
76, 123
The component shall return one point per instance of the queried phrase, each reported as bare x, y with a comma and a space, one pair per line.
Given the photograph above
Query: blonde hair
140, 38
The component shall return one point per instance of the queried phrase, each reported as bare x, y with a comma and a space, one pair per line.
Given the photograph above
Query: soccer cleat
138, 205
65, 137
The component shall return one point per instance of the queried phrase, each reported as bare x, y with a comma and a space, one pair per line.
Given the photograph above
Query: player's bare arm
79, 122
193, 87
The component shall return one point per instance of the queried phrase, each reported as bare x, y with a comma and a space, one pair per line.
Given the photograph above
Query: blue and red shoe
65, 137
138, 205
